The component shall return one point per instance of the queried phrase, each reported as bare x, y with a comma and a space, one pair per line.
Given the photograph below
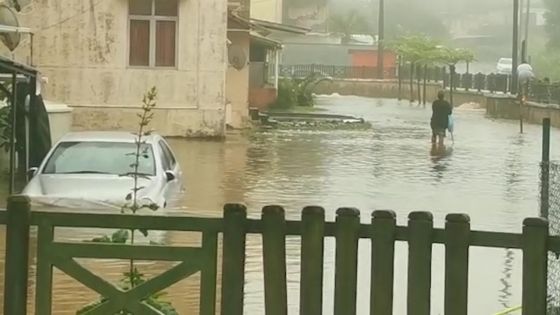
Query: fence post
400, 76
312, 256
233, 260
274, 260
545, 168
17, 255
457, 234
383, 226
346, 270
420, 228
535, 261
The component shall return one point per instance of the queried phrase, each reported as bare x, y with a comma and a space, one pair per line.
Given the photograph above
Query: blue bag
450, 123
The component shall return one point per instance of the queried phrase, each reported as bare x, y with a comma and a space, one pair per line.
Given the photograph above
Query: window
153, 33
168, 158
113, 158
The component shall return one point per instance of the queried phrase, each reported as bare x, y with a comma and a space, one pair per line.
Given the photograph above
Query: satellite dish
8, 18
237, 57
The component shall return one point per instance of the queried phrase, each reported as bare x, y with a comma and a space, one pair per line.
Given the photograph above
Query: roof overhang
246, 23
8, 66
281, 27
258, 39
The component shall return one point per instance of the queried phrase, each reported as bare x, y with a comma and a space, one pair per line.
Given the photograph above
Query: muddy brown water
490, 172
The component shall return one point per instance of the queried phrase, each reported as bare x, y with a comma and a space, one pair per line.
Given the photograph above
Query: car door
169, 163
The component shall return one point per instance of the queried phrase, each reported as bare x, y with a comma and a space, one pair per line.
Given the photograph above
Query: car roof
106, 136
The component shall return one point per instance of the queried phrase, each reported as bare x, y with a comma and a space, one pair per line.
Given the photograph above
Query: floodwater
490, 172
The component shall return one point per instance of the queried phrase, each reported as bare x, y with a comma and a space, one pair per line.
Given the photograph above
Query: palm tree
416, 50
452, 57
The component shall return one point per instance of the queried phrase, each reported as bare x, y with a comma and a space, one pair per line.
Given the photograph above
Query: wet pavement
490, 172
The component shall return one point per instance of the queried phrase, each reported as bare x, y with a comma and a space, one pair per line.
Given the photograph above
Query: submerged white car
90, 169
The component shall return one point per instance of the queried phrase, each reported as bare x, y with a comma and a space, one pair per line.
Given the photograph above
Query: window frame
153, 19
167, 155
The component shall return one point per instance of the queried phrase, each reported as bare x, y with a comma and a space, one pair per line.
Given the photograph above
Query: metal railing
335, 72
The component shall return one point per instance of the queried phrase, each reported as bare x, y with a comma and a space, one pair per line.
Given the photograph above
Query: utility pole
380, 40
527, 19
515, 47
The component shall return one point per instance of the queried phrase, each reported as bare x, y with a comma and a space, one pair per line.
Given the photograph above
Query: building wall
82, 47
368, 58
267, 10
262, 97
237, 87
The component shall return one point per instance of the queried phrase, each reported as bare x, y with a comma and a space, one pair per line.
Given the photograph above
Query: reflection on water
490, 172
505, 292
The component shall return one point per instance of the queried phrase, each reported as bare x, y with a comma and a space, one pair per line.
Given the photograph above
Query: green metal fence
383, 232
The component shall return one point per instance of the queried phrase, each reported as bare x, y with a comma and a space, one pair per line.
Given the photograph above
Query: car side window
167, 157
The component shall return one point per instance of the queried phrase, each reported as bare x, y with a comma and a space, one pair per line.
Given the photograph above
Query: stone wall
82, 47
502, 106
390, 89
535, 113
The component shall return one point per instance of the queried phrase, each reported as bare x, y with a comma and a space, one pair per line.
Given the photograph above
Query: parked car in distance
96, 168
504, 66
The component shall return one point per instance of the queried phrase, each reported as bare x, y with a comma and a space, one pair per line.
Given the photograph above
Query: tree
421, 50
553, 22
348, 24
417, 51
452, 57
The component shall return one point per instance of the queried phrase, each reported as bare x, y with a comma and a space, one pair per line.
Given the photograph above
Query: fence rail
383, 232
539, 91
336, 72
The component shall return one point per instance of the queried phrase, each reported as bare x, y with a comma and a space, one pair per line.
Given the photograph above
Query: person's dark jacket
441, 110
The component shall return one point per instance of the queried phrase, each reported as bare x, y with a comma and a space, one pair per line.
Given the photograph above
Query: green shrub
287, 94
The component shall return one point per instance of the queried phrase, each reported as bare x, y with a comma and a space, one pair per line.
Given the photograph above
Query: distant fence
539, 91
383, 233
335, 72
546, 93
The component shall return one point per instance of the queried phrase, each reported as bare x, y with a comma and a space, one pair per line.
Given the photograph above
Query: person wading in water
441, 109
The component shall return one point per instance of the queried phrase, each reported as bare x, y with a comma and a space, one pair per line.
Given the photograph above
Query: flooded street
491, 173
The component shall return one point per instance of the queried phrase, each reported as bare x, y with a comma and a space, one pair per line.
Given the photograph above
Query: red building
368, 58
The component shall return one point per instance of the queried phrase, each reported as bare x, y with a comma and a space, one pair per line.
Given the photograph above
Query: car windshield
88, 157
505, 61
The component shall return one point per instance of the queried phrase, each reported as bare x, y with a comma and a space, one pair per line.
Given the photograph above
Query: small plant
298, 92
133, 277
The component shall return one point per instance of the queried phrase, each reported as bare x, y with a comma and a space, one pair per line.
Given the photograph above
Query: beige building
101, 56
267, 10
237, 77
